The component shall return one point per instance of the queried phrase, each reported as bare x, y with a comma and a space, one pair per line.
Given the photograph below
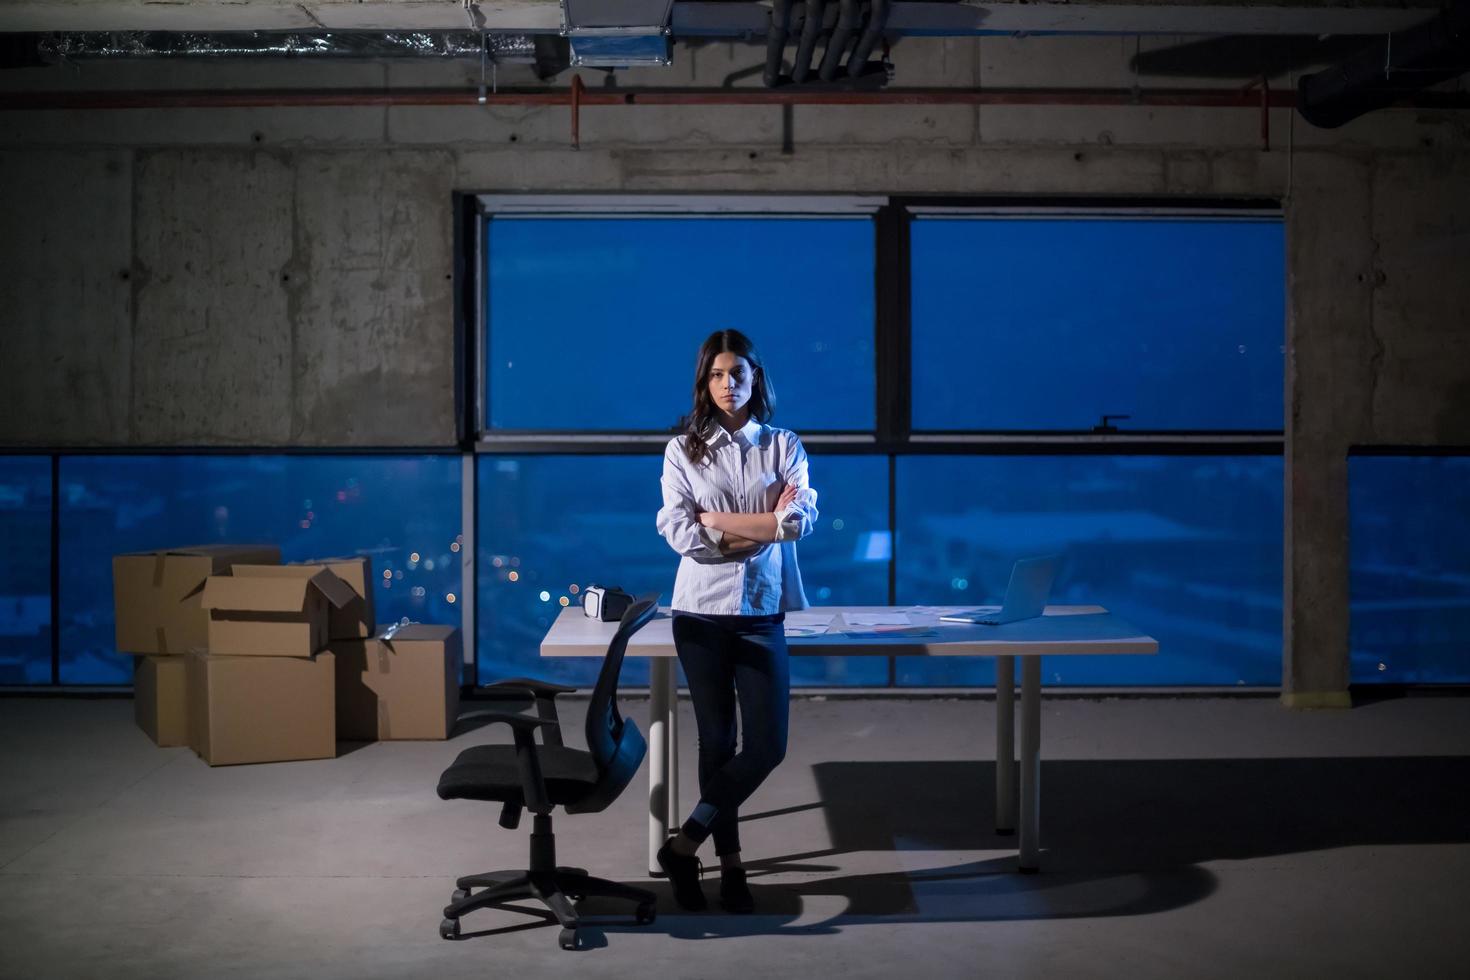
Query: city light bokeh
385, 507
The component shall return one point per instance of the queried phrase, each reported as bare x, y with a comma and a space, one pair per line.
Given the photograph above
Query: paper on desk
807, 624
876, 619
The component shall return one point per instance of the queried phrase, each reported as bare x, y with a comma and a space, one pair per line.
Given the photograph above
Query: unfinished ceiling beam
709, 19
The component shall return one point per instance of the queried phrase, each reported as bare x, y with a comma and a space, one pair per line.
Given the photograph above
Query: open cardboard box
271, 610
355, 619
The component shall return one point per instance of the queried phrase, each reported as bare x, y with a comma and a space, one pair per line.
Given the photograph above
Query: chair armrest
545, 694
533, 786
536, 687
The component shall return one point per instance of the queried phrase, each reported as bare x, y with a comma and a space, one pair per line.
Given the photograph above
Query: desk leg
1030, 763
672, 770
658, 759
1005, 745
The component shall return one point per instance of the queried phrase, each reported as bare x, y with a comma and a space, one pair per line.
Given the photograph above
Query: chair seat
490, 772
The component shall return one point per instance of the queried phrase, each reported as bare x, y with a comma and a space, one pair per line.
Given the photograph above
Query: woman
736, 500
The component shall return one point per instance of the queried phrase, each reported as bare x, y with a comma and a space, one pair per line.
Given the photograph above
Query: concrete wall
278, 277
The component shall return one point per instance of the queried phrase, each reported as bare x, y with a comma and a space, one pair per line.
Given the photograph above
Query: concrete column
1331, 363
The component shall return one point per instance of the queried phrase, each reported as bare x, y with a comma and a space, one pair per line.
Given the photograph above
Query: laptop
1025, 596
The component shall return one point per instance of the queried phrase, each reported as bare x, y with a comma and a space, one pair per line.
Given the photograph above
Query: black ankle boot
734, 892
683, 871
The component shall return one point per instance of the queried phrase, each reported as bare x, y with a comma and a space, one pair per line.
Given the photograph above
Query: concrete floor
1182, 838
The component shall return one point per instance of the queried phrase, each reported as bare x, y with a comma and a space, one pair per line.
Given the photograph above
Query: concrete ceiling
722, 18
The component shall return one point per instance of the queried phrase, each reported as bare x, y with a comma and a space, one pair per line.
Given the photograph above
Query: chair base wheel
568, 939
449, 929
645, 914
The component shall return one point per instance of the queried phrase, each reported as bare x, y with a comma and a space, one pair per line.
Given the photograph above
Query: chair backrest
616, 744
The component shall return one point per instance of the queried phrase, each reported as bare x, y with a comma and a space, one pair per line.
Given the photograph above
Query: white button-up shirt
744, 473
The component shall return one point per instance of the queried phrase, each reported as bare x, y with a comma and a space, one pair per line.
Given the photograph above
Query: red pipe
1265, 83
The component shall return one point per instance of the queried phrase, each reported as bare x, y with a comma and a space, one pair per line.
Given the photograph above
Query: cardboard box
156, 594
271, 610
160, 699
261, 709
353, 620
399, 686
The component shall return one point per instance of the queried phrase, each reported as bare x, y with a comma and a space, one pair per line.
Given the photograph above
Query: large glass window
403, 511
25, 581
593, 323
1409, 535
1038, 322
1042, 323
551, 525
1186, 548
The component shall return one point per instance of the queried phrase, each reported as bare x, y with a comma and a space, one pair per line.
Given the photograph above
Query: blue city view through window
552, 525
1409, 540
1040, 323
594, 323
1186, 548
25, 581
402, 511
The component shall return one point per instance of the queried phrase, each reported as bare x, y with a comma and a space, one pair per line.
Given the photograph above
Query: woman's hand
788, 497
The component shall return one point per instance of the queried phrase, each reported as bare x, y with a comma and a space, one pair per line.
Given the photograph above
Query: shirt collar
751, 431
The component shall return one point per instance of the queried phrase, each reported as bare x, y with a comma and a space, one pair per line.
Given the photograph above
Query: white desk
1061, 630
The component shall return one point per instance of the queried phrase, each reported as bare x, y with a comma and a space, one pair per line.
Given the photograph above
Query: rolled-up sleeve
798, 518
678, 520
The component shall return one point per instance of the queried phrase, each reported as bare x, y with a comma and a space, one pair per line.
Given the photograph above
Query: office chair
538, 777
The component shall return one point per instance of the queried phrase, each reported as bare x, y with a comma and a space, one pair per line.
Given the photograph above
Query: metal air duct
1389, 69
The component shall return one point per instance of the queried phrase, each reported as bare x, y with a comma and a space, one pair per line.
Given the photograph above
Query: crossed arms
746, 532
715, 536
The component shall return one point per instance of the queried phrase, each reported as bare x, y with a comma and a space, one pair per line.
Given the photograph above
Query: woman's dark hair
762, 396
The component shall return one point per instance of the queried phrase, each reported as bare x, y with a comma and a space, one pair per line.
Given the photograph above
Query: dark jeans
725, 659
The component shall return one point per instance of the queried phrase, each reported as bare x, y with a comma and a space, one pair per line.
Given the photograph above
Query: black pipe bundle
864, 19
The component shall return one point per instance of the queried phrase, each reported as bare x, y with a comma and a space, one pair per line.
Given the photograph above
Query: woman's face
731, 380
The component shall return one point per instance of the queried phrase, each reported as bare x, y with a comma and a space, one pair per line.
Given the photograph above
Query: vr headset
607, 603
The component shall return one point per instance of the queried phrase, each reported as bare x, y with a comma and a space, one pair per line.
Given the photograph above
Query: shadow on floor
1118, 838
1136, 816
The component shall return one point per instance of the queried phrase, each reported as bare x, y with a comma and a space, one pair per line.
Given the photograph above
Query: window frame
624, 206
893, 216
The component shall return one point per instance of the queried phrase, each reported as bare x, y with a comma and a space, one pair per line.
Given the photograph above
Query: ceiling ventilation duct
256, 44
1389, 69
617, 33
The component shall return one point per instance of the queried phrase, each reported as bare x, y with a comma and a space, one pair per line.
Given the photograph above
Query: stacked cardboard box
274, 662
160, 702
263, 689
401, 684
156, 598
355, 619
156, 594
261, 709
272, 610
